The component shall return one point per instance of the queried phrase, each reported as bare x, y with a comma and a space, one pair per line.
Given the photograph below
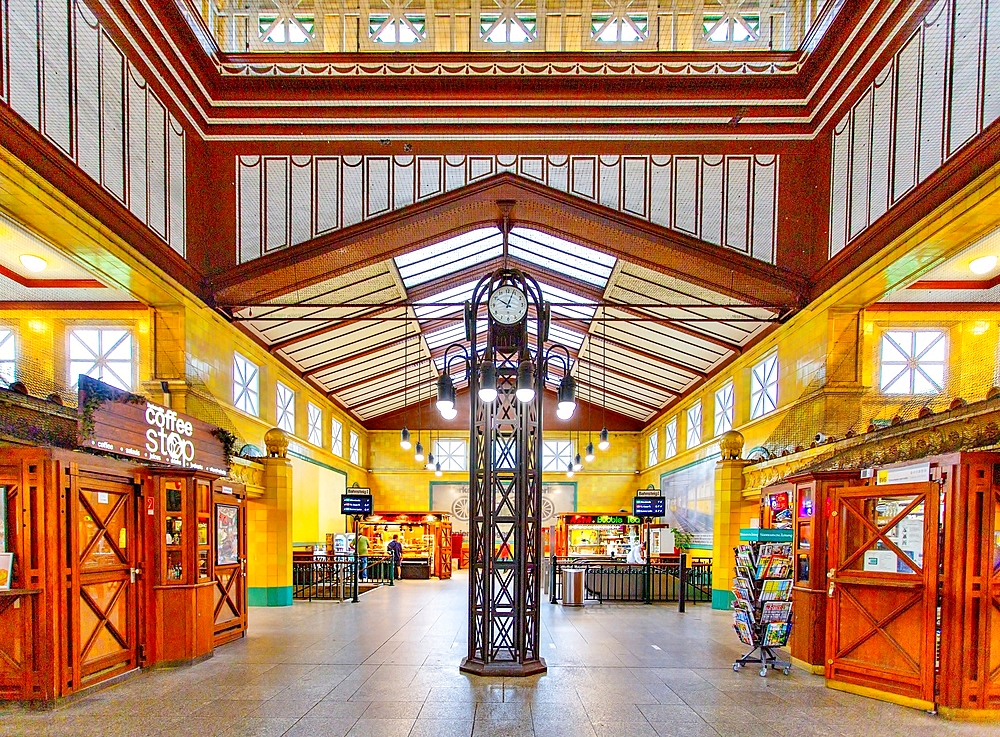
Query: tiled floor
388, 667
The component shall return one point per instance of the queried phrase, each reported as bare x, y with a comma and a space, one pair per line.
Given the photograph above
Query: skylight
563, 257
449, 256
456, 296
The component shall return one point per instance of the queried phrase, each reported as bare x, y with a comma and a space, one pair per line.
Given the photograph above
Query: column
269, 529
731, 513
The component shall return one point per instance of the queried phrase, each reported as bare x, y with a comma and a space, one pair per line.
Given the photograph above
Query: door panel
230, 591
105, 600
882, 613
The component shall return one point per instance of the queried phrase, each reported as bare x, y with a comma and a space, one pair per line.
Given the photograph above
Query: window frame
336, 437
102, 361
447, 454
725, 408
553, 458
9, 342
314, 424
653, 449
284, 407
913, 365
670, 438
355, 448
694, 429
244, 395
764, 387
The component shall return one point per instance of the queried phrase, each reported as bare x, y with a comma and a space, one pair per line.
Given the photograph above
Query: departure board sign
355, 503
649, 506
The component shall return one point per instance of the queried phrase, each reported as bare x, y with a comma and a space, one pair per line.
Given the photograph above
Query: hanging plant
230, 443
93, 394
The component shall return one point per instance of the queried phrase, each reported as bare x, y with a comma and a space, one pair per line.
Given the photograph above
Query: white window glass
653, 451
337, 437
314, 415
764, 387
725, 403
694, 426
912, 362
556, 455
246, 385
8, 358
285, 401
355, 448
451, 454
670, 434
102, 353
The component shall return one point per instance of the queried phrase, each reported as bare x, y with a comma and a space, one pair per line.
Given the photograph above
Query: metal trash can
572, 586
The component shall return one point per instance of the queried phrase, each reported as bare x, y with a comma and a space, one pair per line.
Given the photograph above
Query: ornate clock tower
507, 370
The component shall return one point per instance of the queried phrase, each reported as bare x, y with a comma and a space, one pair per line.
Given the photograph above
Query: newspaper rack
762, 608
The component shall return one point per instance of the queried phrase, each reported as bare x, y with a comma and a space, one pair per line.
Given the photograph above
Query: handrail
610, 580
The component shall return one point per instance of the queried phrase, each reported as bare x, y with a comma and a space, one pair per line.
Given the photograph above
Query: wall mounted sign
151, 432
912, 474
356, 503
649, 506
648, 492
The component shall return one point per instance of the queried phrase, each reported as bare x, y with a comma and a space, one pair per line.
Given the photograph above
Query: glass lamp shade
563, 414
567, 397
437, 469
488, 382
449, 414
589, 458
430, 462
604, 443
419, 455
525, 382
446, 393
404, 439
578, 463
569, 470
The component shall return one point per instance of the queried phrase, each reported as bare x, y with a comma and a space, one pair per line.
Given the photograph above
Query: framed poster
227, 535
6, 569
3, 519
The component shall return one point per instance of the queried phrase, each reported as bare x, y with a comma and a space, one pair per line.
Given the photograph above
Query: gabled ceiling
373, 337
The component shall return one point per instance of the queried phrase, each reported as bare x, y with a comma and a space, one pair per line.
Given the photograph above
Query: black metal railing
332, 577
610, 580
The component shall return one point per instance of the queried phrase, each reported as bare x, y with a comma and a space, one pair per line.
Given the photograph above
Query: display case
425, 537
603, 535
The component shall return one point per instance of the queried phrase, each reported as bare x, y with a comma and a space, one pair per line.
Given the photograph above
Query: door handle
832, 582
133, 572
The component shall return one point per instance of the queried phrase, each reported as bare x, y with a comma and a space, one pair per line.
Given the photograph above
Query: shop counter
416, 568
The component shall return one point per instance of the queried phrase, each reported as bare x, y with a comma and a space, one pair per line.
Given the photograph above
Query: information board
356, 504
649, 506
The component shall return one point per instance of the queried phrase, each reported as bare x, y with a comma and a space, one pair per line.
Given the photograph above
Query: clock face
508, 304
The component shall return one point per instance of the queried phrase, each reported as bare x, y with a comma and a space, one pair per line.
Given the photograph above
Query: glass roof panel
556, 296
578, 262
456, 296
449, 256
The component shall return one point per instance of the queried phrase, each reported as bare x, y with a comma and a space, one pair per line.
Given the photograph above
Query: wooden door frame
858, 678
240, 502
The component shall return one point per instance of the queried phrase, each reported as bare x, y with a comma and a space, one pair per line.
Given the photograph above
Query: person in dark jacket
395, 549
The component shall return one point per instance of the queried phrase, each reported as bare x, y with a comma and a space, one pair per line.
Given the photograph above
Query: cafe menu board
359, 504
147, 431
649, 506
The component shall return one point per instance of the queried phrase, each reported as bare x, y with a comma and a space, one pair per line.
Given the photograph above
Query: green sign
607, 519
759, 535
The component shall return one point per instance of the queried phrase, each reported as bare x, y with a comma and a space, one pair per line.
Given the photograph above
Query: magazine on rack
744, 632
775, 611
776, 590
776, 635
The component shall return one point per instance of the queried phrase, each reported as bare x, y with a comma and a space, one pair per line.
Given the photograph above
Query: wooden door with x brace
882, 613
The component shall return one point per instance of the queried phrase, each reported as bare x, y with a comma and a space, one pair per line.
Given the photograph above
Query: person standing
395, 549
361, 546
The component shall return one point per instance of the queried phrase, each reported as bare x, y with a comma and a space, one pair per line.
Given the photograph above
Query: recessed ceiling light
37, 263
983, 264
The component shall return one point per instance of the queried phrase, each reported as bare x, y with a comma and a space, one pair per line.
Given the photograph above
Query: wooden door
444, 550
230, 591
104, 599
882, 589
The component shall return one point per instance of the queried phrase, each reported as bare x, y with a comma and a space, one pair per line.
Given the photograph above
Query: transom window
557, 455
912, 362
764, 387
451, 454
619, 23
286, 29
8, 358
505, 25
314, 418
337, 437
670, 435
694, 425
731, 27
394, 26
355, 448
102, 353
653, 450
285, 401
725, 404
246, 385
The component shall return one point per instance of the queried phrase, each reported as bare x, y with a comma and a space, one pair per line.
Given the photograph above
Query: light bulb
449, 414
488, 382
419, 455
525, 382
569, 470
589, 458
577, 463
437, 469
430, 462
563, 414
444, 405
404, 439
604, 443
981, 265
33, 263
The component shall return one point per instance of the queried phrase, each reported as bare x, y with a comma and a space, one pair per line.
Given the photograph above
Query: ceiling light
37, 263
446, 393
488, 382
604, 442
449, 414
525, 382
430, 462
981, 265
404, 439
578, 463
569, 470
589, 458
437, 469
419, 455
567, 398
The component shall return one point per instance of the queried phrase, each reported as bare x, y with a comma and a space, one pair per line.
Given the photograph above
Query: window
246, 385
314, 417
764, 387
508, 27
556, 454
8, 358
395, 26
451, 454
653, 451
912, 362
670, 432
355, 448
734, 27
505, 453
337, 437
286, 29
286, 408
724, 405
694, 426
103, 354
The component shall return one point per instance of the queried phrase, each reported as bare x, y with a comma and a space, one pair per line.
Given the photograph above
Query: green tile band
269, 596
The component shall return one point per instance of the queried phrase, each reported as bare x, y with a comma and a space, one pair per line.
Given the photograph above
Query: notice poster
3, 519
227, 535
454, 498
690, 500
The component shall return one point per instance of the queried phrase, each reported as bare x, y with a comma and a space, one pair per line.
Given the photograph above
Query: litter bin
572, 586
